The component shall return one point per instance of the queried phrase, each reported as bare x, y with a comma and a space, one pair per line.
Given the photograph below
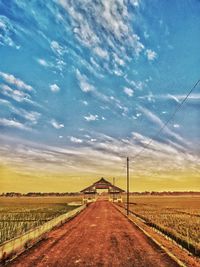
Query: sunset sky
86, 83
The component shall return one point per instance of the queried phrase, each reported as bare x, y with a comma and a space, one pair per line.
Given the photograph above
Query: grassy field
176, 216
20, 214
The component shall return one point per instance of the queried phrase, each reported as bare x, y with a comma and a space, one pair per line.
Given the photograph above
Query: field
175, 216
18, 215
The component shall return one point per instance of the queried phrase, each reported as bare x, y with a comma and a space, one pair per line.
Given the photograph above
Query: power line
168, 121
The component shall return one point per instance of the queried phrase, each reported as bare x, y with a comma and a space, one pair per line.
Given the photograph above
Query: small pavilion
91, 193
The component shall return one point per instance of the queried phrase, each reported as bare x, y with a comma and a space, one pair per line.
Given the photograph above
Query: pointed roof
102, 184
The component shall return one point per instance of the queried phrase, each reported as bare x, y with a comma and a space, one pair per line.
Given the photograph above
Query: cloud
85, 102
5, 102
91, 117
105, 156
54, 88
11, 79
101, 53
138, 85
76, 140
128, 91
43, 62
106, 28
17, 95
58, 49
15, 124
151, 55
160, 147
85, 86
157, 121
7, 32
57, 125
135, 3
176, 97
176, 126
31, 116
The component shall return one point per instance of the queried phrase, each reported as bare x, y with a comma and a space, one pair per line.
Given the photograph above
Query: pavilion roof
102, 184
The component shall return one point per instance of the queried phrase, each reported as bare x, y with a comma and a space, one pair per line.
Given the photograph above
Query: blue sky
83, 84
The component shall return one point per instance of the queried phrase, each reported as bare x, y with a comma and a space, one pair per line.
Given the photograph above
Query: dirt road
99, 236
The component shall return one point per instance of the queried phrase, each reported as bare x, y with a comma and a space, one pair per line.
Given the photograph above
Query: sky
84, 84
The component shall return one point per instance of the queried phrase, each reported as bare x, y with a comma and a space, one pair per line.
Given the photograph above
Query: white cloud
106, 28
128, 91
11, 79
109, 152
17, 95
101, 53
91, 117
151, 55
135, 3
85, 103
31, 116
138, 85
57, 125
118, 60
43, 62
85, 86
54, 88
176, 126
5, 102
7, 32
58, 49
174, 98
177, 98
155, 119
76, 140
14, 124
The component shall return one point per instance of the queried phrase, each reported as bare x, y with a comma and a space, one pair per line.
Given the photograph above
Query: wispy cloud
43, 62
11, 79
56, 124
76, 140
15, 124
7, 31
91, 117
106, 29
83, 82
128, 91
101, 53
57, 48
15, 94
157, 121
31, 116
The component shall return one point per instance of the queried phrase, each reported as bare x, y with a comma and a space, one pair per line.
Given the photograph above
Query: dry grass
177, 216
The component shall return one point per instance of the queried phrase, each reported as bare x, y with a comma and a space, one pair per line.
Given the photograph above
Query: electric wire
167, 122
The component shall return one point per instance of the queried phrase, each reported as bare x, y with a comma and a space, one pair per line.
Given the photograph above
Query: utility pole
113, 188
127, 194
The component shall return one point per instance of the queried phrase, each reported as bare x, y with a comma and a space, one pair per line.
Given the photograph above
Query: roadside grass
175, 216
20, 214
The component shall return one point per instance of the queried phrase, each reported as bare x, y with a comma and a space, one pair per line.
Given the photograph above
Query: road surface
99, 236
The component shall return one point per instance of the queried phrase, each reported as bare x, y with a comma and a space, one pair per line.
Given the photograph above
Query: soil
99, 236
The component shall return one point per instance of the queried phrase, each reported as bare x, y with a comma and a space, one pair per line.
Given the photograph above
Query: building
91, 193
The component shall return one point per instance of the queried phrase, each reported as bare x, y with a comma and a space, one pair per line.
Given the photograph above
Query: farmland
175, 216
18, 215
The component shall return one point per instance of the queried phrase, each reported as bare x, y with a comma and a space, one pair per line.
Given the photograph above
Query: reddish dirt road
99, 236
